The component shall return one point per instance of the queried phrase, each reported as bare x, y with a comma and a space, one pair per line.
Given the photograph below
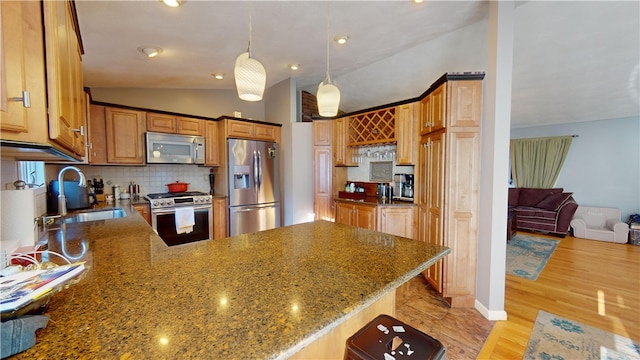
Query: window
31, 172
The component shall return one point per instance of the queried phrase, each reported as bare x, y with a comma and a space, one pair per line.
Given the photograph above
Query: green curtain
537, 162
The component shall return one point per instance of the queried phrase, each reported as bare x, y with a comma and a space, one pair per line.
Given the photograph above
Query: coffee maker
403, 186
407, 186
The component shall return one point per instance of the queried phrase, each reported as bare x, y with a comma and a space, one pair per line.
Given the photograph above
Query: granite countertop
261, 295
374, 200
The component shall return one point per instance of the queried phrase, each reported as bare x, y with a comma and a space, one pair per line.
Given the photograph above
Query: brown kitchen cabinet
396, 220
447, 178
252, 130
342, 153
65, 90
376, 127
23, 77
407, 119
358, 215
212, 144
322, 170
124, 131
219, 217
171, 124
144, 210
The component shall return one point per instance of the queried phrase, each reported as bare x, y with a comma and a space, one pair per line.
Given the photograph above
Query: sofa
549, 211
599, 223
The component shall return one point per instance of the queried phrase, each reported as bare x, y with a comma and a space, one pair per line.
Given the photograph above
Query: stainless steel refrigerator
254, 186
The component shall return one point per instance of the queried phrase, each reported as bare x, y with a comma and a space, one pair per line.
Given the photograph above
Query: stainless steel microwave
174, 149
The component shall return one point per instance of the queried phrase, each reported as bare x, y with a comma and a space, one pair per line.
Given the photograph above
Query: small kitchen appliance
77, 196
403, 187
174, 148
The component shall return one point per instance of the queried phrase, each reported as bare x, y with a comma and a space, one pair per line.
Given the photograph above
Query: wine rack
373, 128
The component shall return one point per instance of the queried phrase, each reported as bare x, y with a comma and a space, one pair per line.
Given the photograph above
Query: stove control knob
156, 203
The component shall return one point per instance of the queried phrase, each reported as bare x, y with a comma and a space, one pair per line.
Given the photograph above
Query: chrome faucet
62, 200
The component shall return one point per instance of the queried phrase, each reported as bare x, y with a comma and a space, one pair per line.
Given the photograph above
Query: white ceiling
573, 61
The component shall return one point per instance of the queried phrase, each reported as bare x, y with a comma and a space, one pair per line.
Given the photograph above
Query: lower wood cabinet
390, 219
359, 215
144, 210
219, 218
396, 220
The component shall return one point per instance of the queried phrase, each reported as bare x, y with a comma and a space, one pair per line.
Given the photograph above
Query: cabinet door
240, 129
435, 187
143, 209
189, 126
322, 132
322, 199
265, 132
219, 218
406, 134
23, 69
342, 152
464, 103
125, 136
438, 101
396, 220
365, 217
212, 151
63, 52
425, 108
96, 132
161, 123
344, 213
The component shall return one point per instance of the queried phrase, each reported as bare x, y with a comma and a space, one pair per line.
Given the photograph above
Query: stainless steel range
163, 219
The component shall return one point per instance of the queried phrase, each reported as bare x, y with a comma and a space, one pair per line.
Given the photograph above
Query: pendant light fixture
328, 95
250, 75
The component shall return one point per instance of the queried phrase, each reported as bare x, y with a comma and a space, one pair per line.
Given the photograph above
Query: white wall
297, 156
602, 166
208, 103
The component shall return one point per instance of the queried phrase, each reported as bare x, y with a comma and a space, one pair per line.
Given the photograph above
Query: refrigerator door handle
259, 170
256, 172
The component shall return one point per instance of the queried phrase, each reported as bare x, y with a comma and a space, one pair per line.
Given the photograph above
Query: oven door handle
172, 210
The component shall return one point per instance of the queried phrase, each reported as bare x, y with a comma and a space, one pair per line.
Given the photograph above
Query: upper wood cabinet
251, 130
212, 142
170, 124
407, 118
27, 89
64, 75
23, 104
125, 136
372, 128
342, 153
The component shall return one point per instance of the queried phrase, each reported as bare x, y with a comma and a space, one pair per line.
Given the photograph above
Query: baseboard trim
491, 315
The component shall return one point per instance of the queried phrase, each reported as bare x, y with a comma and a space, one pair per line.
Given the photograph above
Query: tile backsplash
151, 178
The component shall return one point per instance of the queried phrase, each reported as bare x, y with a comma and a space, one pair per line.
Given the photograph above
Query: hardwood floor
594, 282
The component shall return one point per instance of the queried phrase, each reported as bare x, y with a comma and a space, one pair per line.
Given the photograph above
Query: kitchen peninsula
262, 295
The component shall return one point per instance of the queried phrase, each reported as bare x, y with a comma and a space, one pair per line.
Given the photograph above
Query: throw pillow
555, 201
532, 196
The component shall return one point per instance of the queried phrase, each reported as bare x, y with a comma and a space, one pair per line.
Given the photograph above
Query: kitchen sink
95, 215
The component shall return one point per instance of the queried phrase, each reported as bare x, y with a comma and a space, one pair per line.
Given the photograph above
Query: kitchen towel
185, 219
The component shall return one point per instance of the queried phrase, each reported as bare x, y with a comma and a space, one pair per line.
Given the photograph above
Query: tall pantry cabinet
322, 170
447, 181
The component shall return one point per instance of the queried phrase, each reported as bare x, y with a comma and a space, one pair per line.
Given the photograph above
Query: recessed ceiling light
150, 51
341, 39
294, 66
173, 3
218, 76
418, 1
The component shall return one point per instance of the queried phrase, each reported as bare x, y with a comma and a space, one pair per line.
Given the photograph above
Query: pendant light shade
251, 77
328, 98
328, 95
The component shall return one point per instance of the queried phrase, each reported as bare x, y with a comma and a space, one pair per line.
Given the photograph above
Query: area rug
527, 255
556, 338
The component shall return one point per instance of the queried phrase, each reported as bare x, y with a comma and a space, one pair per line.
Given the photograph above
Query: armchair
599, 223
